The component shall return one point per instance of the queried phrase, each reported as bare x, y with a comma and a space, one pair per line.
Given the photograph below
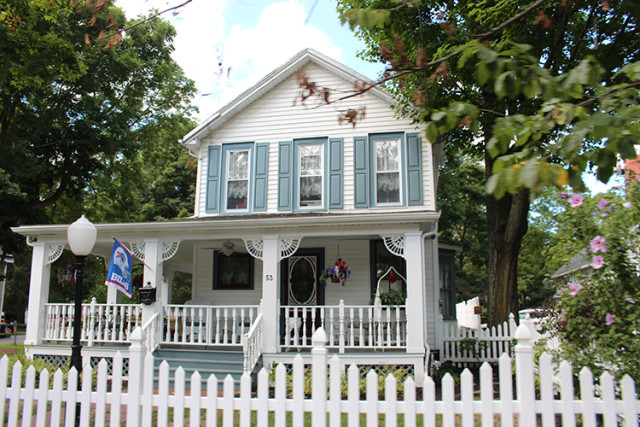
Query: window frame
373, 161
227, 149
447, 257
297, 144
217, 257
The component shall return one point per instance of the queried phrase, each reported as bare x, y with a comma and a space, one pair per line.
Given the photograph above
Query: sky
251, 38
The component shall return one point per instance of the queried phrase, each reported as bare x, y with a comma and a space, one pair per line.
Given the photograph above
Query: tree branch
122, 30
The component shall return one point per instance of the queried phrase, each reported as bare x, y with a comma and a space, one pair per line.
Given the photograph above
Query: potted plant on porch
337, 273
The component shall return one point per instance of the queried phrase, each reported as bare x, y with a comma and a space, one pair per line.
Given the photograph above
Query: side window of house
382, 260
233, 271
387, 176
447, 284
237, 162
310, 175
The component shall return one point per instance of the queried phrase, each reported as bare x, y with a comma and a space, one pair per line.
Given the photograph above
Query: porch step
221, 362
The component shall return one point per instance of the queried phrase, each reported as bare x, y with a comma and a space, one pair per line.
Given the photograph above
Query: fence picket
116, 390
372, 398
56, 401
448, 407
429, 396
506, 390
586, 396
29, 391
566, 395
195, 397
71, 395
14, 394
163, 396
43, 389
607, 388
546, 390
390, 400
335, 390
145, 402
298, 391
486, 394
227, 404
245, 400
410, 402
353, 396
262, 405
280, 394
629, 403
466, 394
212, 401
101, 394
85, 396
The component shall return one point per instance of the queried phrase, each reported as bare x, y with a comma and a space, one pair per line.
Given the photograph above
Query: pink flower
576, 200
575, 288
631, 300
627, 205
597, 262
602, 204
609, 318
564, 195
597, 245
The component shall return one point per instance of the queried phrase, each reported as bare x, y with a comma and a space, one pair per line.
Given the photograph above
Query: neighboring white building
282, 191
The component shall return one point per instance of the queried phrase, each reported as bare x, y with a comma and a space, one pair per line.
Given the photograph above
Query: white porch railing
464, 345
101, 323
252, 344
347, 326
206, 324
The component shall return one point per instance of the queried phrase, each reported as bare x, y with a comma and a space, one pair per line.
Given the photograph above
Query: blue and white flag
119, 275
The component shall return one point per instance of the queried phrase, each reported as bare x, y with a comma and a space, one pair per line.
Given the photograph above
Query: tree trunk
507, 225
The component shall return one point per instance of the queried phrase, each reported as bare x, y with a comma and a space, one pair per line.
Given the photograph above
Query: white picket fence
466, 345
143, 403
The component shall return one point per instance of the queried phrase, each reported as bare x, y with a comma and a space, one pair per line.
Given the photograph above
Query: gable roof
274, 78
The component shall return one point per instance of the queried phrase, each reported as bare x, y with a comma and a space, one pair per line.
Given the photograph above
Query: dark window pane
388, 187
233, 271
310, 191
237, 194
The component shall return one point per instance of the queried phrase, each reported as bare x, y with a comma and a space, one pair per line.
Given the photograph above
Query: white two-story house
283, 191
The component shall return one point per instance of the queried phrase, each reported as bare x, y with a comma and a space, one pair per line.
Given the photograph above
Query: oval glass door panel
303, 273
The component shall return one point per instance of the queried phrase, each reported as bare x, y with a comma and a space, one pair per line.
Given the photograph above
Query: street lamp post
81, 236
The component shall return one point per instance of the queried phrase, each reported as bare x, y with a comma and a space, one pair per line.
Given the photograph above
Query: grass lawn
13, 351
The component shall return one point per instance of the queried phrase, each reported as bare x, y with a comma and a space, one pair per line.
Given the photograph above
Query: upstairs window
387, 174
310, 175
237, 179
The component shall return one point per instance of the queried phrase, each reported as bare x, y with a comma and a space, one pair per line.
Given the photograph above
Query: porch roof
303, 225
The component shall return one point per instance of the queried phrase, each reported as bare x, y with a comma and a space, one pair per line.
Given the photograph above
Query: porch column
415, 292
38, 293
113, 296
270, 293
153, 277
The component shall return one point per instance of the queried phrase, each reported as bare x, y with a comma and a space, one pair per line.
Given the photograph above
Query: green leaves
366, 18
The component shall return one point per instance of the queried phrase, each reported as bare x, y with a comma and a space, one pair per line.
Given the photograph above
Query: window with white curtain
310, 175
237, 179
387, 170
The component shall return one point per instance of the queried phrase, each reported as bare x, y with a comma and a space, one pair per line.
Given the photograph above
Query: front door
302, 290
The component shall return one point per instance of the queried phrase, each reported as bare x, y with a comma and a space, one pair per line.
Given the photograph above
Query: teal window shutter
285, 153
335, 173
414, 169
213, 179
361, 172
261, 177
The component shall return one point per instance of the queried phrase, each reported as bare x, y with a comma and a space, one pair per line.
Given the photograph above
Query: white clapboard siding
592, 402
278, 115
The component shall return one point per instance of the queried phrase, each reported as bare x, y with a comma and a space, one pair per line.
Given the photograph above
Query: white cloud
251, 52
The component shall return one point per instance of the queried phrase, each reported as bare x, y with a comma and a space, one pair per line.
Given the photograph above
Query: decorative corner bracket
394, 244
169, 249
287, 247
54, 253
